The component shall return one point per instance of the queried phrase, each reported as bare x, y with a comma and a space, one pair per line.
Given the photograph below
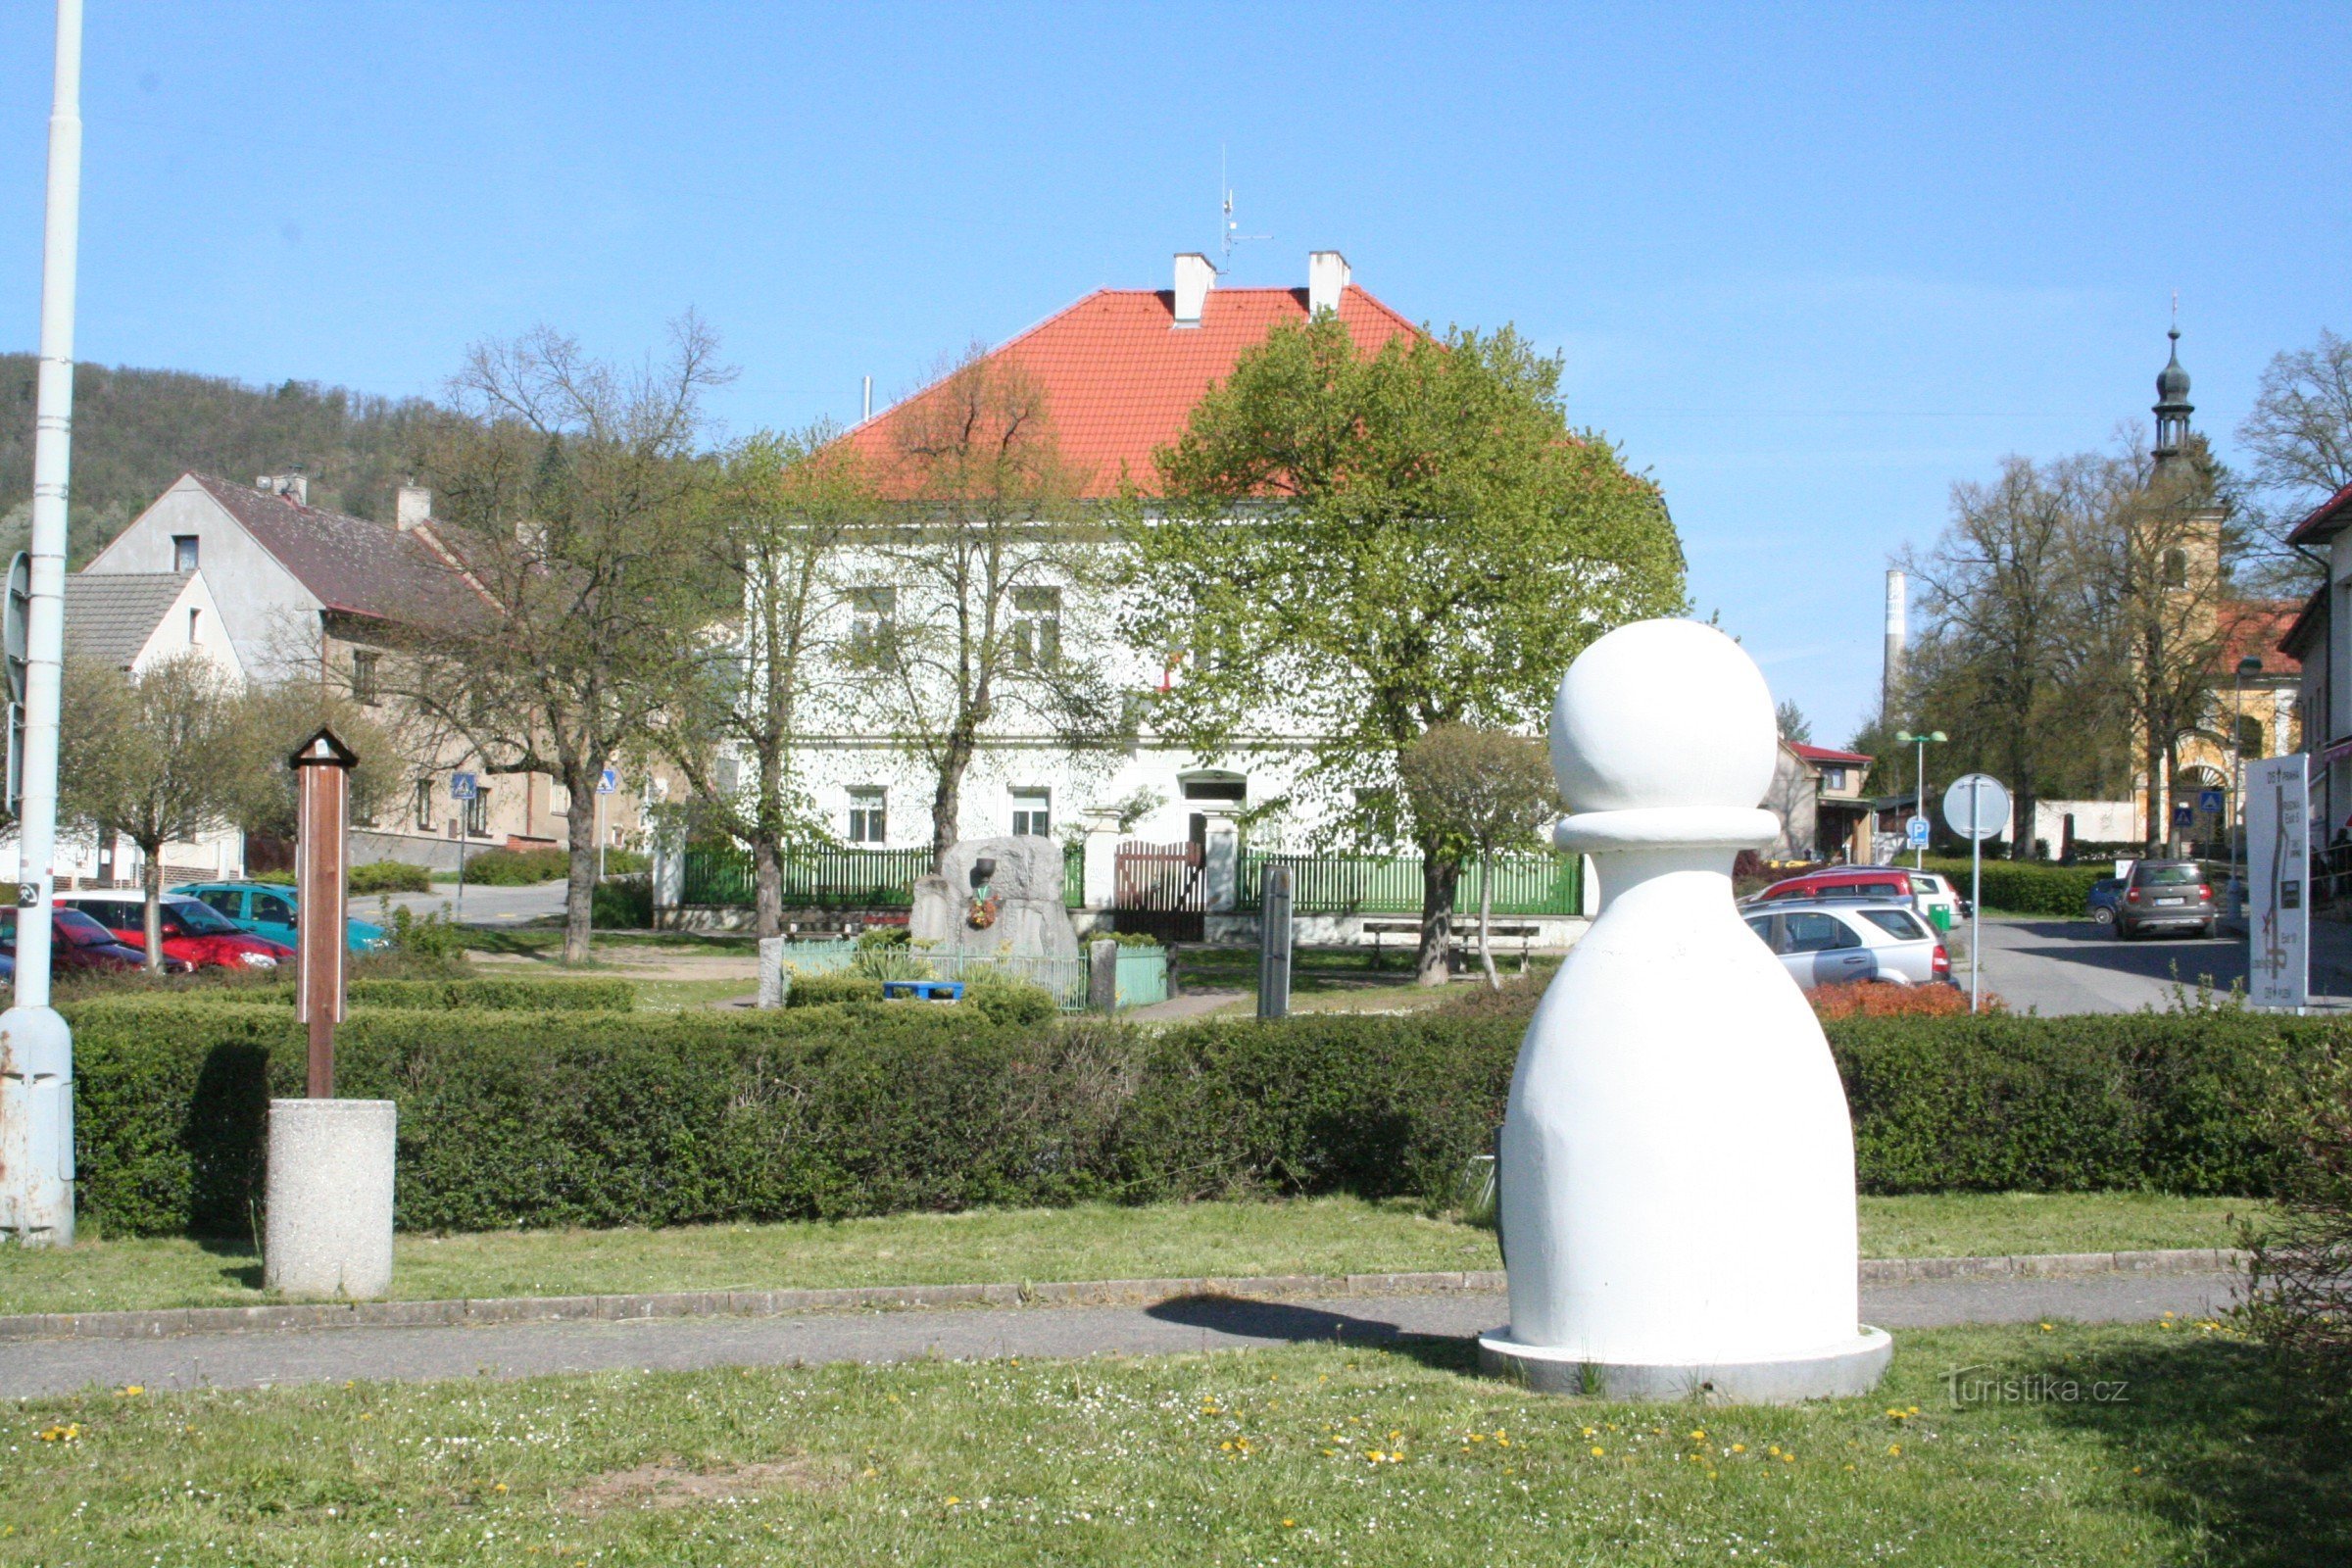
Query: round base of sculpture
1842, 1371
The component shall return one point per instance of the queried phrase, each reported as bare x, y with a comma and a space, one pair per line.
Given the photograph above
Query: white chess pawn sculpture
1677, 1162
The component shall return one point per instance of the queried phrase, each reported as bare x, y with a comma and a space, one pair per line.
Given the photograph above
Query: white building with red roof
1118, 374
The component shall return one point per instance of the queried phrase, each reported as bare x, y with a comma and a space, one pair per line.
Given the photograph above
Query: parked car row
212, 925
1836, 941
1930, 895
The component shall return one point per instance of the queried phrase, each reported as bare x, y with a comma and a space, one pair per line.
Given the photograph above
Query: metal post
1919, 803
465, 809
1976, 886
1274, 942
36, 1048
600, 830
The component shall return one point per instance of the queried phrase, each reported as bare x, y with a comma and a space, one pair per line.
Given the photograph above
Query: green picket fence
1391, 884
720, 876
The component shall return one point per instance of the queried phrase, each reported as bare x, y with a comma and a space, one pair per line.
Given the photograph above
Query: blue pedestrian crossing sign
2209, 802
461, 787
1915, 832
609, 781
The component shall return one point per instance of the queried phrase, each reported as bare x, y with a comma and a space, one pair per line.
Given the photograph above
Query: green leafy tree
152, 755
1358, 548
775, 518
1479, 792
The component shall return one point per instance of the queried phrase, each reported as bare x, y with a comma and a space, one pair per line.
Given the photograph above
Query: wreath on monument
983, 913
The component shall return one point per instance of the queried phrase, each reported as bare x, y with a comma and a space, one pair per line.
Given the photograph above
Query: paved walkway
2063, 967
1184, 1324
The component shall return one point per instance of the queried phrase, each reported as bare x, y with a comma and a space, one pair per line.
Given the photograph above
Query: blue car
2106, 897
266, 909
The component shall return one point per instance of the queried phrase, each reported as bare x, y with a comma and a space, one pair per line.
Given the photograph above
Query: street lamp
1919, 856
2248, 665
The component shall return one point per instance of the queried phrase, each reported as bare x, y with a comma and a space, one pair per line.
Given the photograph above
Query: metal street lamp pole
1918, 804
36, 1048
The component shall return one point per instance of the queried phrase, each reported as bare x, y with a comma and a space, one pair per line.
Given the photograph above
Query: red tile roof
1824, 754
2330, 516
2258, 626
1121, 377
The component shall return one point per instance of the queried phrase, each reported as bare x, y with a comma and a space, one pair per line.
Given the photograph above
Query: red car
77, 941
194, 933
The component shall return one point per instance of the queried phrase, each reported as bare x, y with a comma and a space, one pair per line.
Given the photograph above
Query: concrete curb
278, 1318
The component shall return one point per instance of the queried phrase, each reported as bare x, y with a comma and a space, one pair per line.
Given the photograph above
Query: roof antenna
1229, 235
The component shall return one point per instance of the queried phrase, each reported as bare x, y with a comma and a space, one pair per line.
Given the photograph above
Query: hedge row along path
1190, 1321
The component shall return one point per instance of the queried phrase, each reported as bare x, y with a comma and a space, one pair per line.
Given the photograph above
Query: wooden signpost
322, 769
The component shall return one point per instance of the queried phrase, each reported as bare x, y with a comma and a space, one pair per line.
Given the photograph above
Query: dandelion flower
1597, 1450
1699, 1436
1738, 1447
1895, 1448
1289, 1524
133, 1390
2046, 1329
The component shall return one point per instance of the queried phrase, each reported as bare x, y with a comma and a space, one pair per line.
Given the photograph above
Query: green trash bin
1941, 917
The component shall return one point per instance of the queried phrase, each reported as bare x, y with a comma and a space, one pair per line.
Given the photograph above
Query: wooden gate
1159, 890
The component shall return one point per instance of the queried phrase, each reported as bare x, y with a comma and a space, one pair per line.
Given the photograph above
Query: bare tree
1479, 792
570, 486
982, 578
2300, 435
2153, 578
152, 755
2001, 650
777, 517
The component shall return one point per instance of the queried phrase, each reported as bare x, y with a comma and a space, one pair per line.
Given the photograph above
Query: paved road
483, 905
1194, 1323
2060, 966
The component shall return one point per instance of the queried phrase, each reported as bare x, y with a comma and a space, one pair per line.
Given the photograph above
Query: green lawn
1319, 1236
1302, 1454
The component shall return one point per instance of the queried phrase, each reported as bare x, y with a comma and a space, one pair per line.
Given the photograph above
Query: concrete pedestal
1844, 1370
775, 982
329, 1194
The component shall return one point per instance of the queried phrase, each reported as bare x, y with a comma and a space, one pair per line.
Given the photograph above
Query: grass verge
2203, 1451
1314, 1236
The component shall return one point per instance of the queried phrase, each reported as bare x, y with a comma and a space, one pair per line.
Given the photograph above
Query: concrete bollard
1103, 976
775, 981
330, 1192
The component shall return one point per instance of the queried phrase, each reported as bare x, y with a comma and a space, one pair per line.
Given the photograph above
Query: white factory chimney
1327, 278
412, 505
1890, 690
1195, 277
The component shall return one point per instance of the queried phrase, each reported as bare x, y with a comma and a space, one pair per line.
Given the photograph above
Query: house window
195, 628
1032, 815
183, 552
423, 807
873, 623
1833, 778
477, 813
2175, 568
869, 821
363, 678
1036, 628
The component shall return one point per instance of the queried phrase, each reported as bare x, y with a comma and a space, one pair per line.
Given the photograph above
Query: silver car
1830, 941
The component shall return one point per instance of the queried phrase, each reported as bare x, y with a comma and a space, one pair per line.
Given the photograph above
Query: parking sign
461, 787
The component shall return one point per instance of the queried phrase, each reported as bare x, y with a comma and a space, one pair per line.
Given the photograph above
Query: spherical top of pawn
1663, 714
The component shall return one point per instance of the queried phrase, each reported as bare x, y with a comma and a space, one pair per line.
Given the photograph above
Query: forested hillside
135, 431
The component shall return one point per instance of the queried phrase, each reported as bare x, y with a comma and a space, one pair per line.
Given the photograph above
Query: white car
1830, 941
1931, 893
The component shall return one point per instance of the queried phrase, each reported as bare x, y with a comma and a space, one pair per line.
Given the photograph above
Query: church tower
2173, 407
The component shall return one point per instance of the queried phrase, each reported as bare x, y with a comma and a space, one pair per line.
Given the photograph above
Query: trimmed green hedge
2028, 887
517, 868
609, 1118
493, 994
390, 876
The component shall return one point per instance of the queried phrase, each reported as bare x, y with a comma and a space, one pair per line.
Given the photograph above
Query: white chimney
1195, 277
1890, 675
411, 505
295, 487
1327, 278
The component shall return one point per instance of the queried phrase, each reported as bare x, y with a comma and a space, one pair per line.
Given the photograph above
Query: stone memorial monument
1677, 1159
996, 898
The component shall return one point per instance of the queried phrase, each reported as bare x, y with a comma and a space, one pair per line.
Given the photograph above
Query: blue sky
1808, 266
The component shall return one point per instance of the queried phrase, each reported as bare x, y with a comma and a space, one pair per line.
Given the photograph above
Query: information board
2277, 882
